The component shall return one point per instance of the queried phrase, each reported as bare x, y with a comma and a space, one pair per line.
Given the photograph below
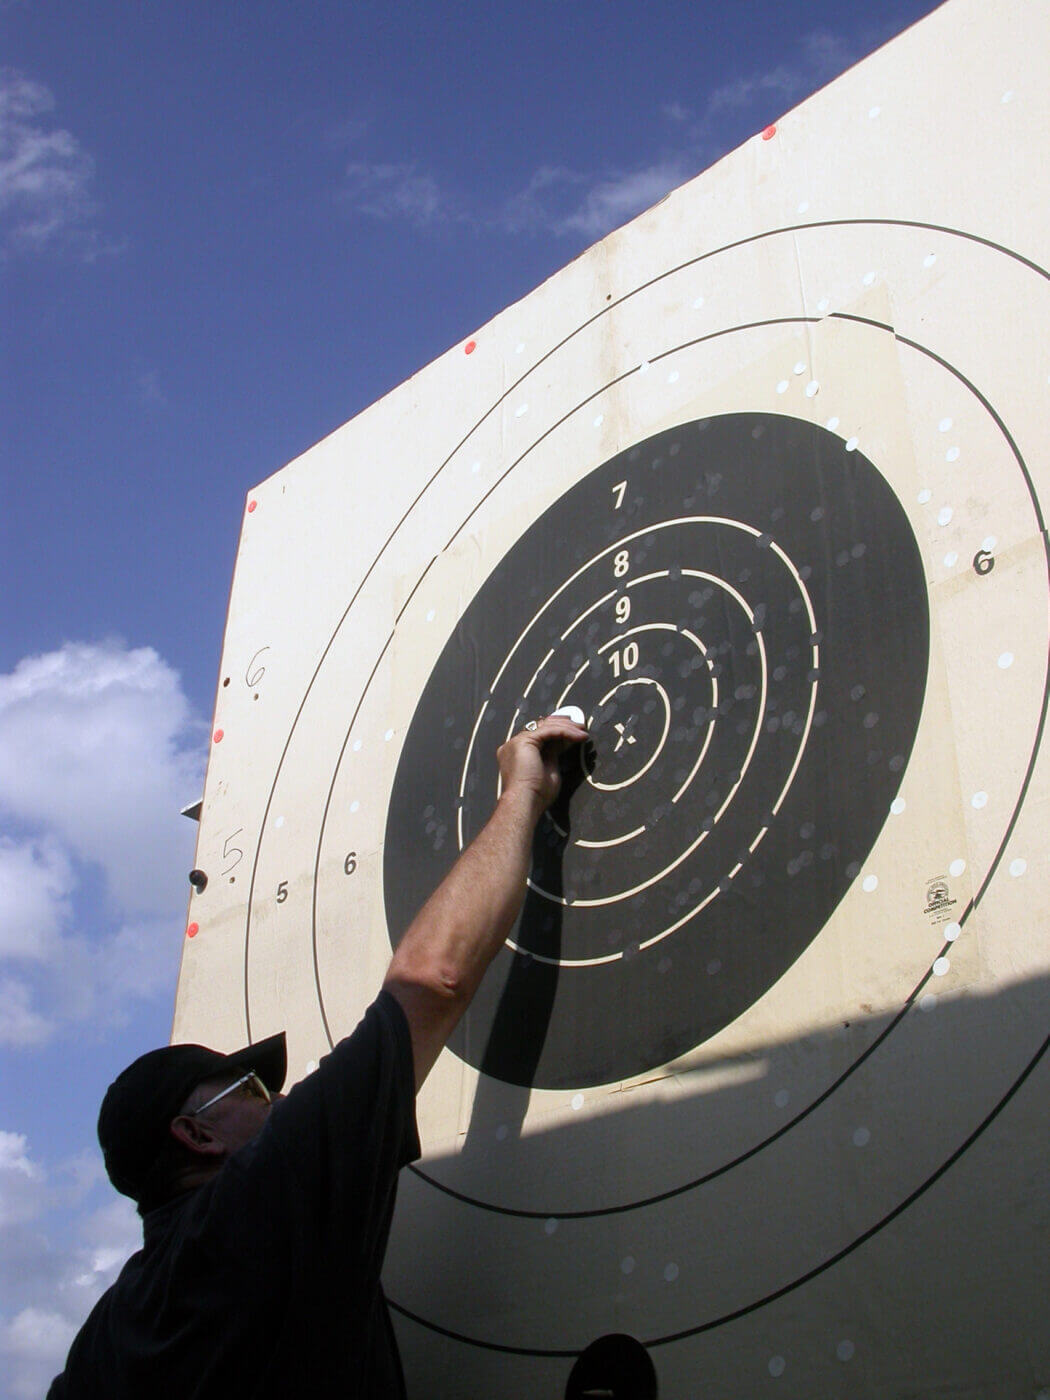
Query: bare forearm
443, 955
464, 923
445, 950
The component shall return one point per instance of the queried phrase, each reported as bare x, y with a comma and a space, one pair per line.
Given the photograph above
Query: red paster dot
192, 931
470, 347
251, 506
217, 736
769, 133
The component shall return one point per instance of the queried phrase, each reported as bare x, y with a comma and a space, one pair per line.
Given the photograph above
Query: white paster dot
431, 614
951, 559
940, 967
549, 1226
501, 1132
823, 304
519, 347
355, 806
951, 932
311, 1065
356, 746
521, 410
956, 868
851, 444
831, 424
777, 1365
868, 278
627, 1264
988, 543
781, 1098
782, 387
1018, 867
927, 1002
944, 425
577, 1102
803, 206
388, 735
871, 883
1007, 96
873, 112
714, 966
643, 367
929, 259
861, 1137
812, 389
475, 467
924, 496
1006, 660
673, 377
979, 800
845, 1349
599, 420
952, 455
944, 515
278, 821
670, 1273
800, 366
699, 301
897, 806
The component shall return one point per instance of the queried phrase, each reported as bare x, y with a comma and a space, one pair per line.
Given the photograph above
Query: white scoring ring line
722, 584
659, 747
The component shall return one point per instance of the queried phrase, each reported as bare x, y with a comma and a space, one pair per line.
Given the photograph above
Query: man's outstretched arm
442, 958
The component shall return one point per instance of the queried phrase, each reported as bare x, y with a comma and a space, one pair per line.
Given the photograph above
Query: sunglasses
249, 1081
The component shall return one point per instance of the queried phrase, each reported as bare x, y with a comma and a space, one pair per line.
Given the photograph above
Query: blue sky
224, 230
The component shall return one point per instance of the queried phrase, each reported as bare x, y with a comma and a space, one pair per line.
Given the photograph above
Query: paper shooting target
759, 484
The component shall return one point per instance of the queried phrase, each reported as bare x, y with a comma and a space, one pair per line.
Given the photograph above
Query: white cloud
92, 751
45, 175
110, 1235
50, 1281
21, 1181
562, 201
821, 56
98, 753
20, 1024
35, 1343
396, 191
556, 200
612, 202
149, 389
35, 883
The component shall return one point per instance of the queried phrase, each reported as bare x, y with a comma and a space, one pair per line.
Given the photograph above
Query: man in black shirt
265, 1218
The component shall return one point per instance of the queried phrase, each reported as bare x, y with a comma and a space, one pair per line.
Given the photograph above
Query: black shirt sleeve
342, 1135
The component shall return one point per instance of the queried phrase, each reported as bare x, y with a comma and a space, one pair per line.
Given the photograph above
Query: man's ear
196, 1135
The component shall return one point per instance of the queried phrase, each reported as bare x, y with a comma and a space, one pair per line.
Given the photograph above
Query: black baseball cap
143, 1099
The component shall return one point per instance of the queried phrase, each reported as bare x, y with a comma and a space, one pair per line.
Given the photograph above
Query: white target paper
758, 483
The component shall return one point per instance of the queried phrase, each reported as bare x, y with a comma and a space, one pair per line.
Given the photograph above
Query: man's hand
530, 762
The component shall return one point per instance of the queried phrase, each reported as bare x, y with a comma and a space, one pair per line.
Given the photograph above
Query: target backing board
758, 482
